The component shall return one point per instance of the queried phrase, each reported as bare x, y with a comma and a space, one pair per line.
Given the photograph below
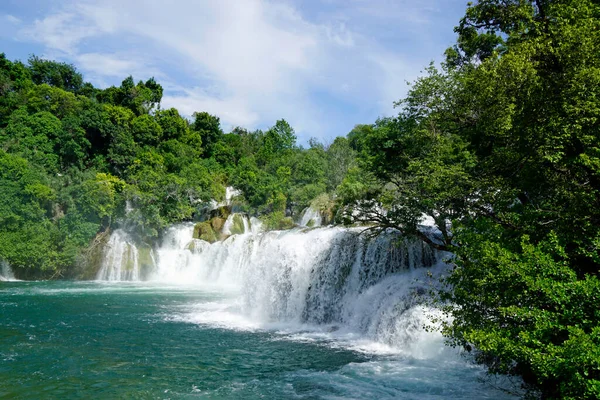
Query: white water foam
330, 286
311, 217
6, 274
330, 281
121, 259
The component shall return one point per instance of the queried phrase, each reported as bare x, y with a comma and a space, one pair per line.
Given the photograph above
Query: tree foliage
502, 143
78, 160
498, 149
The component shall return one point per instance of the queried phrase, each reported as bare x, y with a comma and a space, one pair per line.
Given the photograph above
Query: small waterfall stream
124, 260
311, 218
6, 273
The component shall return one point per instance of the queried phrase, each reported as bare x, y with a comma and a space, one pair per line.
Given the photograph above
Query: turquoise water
70, 340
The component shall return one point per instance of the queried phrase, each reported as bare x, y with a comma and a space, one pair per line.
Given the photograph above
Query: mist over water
6, 273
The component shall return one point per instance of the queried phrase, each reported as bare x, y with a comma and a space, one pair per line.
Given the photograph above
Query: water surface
74, 340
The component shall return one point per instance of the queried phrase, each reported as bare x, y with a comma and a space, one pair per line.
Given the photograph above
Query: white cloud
395, 75
12, 19
250, 62
232, 111
62, 31
8, 23
105, 64
338, 33
104, 69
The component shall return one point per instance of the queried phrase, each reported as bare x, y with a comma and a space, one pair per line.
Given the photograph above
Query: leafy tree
356, 135
26, 234
209, 127
122, 148
71, 144
32, 136
60, 75
532, 122
503, 142
140, 98
15, 81
98, 199
53, 100
280, 138
340, 158
146, 131
173, 125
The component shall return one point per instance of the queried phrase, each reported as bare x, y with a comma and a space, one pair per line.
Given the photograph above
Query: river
313, 314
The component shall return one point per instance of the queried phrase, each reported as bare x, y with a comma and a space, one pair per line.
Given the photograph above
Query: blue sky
323, 65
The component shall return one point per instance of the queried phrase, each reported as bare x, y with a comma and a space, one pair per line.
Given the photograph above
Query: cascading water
236, 224
311, 218
307, 313
6, 273
122, 261
332, 277
230, 193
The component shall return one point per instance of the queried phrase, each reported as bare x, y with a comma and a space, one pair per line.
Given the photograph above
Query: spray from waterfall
331, 277
311, 218
124, 260
6, 273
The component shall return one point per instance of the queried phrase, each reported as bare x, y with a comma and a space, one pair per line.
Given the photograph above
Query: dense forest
500, 146
77, 160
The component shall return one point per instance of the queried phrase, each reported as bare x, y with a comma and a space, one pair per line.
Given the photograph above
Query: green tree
122, 147
209, 128
33, 136
340, 158
528, 255
278, 139
60, 75
146, 131
140, 98
15, 81
173, 125
99, 197
27, 236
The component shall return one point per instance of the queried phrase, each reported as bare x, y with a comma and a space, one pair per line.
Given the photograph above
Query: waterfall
6, 274
311, 218
123, 260
230, 193
236, 224
332, 277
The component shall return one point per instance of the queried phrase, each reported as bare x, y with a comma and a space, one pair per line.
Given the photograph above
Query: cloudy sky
323, 65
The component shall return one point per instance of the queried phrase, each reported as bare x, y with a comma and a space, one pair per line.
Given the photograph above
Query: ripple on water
138, 341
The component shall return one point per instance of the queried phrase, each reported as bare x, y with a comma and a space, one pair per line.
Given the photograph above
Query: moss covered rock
205, 231
128, 260
192, 245
146, 261
325, 205
196, 246
286, 223
277, 221
221, 212
217, 224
